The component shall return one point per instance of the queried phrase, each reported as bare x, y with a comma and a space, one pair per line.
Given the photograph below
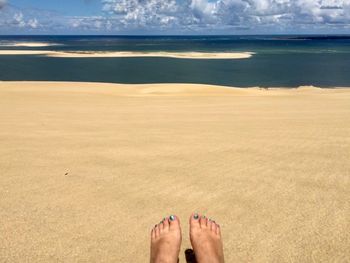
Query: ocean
279, 61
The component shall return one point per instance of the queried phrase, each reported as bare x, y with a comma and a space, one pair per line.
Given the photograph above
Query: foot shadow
190, 256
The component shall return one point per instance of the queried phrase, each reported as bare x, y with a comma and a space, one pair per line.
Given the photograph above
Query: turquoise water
280, 61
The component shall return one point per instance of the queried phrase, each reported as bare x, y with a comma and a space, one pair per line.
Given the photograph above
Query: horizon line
174, 35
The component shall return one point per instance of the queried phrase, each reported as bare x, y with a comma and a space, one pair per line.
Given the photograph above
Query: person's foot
166, 241
206, 240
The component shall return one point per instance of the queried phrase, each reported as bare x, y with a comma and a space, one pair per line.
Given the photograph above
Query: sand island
116, 54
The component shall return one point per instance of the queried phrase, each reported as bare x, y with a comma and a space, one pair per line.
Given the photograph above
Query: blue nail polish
172, 218
196, 216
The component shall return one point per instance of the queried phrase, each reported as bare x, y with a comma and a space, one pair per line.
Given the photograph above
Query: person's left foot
166, 241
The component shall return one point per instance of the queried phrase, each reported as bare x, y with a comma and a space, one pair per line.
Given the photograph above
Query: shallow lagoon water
279, 61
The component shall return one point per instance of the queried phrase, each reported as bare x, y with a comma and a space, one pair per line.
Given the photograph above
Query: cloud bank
2, 3
229, 13
191, 16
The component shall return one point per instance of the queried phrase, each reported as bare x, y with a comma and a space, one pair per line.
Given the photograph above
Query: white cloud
234, 13
18, 20
187, 16
142, 13
33, 23
88, 23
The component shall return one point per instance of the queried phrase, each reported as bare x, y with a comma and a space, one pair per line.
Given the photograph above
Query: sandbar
81, 54
27, 44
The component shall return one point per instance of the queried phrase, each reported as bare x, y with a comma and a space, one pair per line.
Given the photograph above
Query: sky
173, 17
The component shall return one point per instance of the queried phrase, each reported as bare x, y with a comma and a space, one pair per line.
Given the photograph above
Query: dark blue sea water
279, 61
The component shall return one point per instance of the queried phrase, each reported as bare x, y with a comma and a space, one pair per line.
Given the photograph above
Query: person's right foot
206, 240
166, 241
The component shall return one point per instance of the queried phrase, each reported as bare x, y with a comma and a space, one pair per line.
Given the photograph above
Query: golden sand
81, 54
87, 169
23, 52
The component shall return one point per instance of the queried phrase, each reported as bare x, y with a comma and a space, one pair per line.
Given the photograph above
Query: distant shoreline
168, 88
27, 44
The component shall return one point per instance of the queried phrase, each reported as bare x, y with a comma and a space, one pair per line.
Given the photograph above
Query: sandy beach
117, 54
87, 169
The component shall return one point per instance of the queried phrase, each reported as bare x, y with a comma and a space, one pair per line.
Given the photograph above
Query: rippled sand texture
86, 170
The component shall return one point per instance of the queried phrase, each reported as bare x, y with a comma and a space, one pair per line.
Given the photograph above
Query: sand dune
81, 54
87, 169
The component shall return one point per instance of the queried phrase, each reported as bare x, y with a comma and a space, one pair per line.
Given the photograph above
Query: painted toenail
195, 216
172, 218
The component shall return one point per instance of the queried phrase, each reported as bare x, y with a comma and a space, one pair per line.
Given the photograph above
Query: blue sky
69, 7
174, 16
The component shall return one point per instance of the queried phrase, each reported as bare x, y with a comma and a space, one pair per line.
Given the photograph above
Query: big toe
174, 223
194, 221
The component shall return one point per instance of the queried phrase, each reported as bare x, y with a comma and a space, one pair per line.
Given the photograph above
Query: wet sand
87, 169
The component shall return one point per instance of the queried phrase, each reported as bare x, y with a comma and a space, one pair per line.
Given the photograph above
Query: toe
153, 234
160, 226
213, 226
203, 222
166, 223
218, 230
194, 220
156, 231
174, 222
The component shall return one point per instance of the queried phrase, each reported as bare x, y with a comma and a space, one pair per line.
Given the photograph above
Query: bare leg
206, 240
166, 241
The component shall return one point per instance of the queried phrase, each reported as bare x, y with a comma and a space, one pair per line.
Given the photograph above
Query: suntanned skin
205, 236
206, 240
166, 241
